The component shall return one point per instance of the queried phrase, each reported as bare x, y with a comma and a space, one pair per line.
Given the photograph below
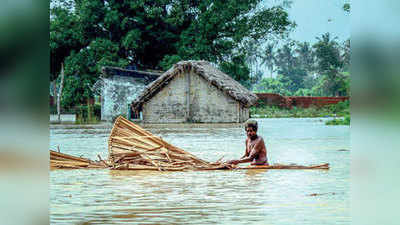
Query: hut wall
244, 114
205, 103
118, 92
169, 104
208, 104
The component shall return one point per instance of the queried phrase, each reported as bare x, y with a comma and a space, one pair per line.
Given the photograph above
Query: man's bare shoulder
261, 139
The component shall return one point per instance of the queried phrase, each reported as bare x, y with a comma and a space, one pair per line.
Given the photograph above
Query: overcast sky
316, 17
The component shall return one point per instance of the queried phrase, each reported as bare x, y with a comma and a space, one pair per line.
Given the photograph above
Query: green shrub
88, 113
266, 111
345, 121
341, 108
84, 113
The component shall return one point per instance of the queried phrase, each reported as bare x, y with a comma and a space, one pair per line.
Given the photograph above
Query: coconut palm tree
269, 58
306, 56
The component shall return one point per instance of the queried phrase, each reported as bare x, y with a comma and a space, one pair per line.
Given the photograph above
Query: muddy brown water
203, 197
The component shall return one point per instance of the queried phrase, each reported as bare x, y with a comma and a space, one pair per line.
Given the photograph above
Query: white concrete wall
118, 92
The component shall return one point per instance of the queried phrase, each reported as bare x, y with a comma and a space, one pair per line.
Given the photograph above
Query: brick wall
271, 98
305, 102
298, 101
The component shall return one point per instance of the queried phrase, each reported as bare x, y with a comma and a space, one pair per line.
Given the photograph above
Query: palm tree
346, 54
285, 58
252, 55
327, 51
329, 61
306, 56
269, 58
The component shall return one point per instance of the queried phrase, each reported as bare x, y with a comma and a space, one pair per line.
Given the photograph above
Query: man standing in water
256, 153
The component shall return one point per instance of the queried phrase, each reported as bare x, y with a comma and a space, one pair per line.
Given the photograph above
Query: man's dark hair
251, 123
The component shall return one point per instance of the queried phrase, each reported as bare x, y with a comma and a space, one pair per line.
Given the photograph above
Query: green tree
269, 58
346, 7
346, 54
254, 61
65, 36
290, 67
279, 85
220, 27
329, 63
305, 70
305, 56
87, 34
238, 70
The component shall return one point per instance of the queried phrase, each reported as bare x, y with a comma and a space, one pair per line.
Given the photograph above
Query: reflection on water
238, 196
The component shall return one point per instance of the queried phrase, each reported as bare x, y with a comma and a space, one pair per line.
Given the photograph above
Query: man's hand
234, 162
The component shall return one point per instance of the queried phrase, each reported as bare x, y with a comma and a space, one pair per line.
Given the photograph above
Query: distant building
194, 91
117, 88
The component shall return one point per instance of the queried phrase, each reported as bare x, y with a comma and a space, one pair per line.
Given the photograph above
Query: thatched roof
204, 69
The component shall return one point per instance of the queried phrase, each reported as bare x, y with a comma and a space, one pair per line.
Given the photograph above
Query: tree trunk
59, 94
54, 92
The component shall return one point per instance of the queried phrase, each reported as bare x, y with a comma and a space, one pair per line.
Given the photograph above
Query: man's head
251, 127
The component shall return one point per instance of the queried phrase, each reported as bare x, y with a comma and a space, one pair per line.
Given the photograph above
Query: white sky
316, 17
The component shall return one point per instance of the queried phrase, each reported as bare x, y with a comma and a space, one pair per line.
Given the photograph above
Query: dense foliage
88, 34
305, 70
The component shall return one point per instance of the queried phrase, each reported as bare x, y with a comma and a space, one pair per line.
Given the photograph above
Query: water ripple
230, 197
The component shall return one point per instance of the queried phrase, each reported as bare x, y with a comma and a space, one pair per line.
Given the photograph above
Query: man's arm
254, 152
249, 158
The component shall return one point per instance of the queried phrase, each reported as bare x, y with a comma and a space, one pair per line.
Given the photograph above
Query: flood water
209, 197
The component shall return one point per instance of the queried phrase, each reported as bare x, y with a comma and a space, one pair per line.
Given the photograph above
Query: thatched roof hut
194, 86
203, 68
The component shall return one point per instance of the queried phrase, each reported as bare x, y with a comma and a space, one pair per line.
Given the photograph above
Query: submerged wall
168, 105
117, 93
190, 98
209, 104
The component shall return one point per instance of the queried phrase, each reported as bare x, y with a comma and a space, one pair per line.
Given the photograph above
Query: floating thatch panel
60, 160
133, 148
